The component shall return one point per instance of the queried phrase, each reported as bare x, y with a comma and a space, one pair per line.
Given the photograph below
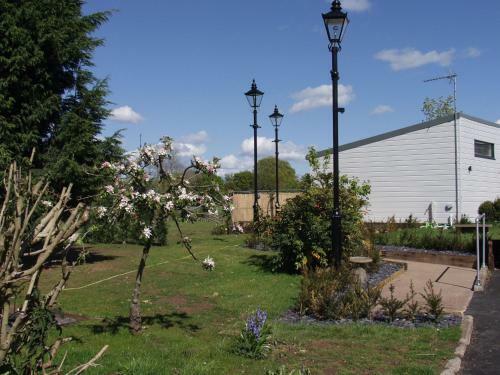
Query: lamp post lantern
254, 97
276, 118
336, 22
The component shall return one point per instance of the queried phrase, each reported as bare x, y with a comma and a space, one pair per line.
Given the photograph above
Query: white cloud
126, 114
498, 121
473, 52
244, 161
409, 58
381, 109
189, 149
356, 5
266, 147
196, 138
321, 96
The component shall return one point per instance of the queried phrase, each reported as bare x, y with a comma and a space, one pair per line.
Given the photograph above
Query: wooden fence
243, 204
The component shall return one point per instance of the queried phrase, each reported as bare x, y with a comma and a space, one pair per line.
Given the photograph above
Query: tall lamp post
336, 22
276, 119
254, 97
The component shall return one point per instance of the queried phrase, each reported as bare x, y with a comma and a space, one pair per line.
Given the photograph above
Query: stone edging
391, 278
453, 365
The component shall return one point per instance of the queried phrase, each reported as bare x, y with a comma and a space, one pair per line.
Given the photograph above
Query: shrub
253, 341
336, 294
488, 208
433, 301
302, 233
430, 238
412, 306
392, 305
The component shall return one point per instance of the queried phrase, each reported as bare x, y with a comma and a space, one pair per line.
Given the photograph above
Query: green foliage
433, 301
391, 305
491, 210
241, 181
267, 174
29, 347
253, 341
50, 99
302, 233
283, 371
336, 294
430, 238
437, 108
412, 306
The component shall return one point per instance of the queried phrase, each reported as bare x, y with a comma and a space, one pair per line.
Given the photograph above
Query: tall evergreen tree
49, 98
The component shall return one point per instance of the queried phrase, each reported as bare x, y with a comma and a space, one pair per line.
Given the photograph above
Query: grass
192, 317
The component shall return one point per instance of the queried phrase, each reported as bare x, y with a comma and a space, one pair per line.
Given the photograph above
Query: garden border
453, 366
396, 274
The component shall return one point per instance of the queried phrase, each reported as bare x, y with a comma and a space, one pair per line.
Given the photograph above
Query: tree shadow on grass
262, 261
176, 319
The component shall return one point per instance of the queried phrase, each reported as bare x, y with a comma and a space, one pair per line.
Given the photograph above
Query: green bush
489, 209
302, 232
336, 294
428, 238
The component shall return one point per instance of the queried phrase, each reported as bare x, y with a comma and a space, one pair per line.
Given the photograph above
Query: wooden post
491, 257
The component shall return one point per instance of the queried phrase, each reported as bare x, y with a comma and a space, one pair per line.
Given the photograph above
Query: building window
484, 149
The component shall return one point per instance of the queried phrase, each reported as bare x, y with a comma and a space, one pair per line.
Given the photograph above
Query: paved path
455, 283
483, 355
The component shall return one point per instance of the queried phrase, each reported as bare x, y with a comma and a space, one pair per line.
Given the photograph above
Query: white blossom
101, 212
109, 189
147, 232
47, 204
208, 264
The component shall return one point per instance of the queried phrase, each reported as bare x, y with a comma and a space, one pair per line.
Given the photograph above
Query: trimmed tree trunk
135, 305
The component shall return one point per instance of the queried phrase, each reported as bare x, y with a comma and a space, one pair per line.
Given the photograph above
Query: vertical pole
276, 139
457, 201
484, 240
255, 188
336, 215
478, 264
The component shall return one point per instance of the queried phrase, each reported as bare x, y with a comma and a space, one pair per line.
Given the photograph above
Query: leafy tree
241, 181
49, 98
267, 174
436, 108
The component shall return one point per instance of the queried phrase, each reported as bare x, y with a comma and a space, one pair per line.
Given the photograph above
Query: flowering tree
136, 195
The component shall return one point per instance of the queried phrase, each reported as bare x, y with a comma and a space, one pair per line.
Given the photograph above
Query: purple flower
255, 323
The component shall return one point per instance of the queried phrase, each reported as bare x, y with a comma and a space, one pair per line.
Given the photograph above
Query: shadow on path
483, 354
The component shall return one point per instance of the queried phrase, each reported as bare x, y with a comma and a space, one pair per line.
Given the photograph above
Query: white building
428, 170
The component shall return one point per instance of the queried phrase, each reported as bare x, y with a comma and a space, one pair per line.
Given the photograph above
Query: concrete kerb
452, 367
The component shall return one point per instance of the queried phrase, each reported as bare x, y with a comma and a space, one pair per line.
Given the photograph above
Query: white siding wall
407, 174
483, 182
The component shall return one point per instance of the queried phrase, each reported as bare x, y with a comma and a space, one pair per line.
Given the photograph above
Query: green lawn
192, 318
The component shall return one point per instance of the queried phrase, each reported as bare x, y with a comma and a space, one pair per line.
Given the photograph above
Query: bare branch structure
34, 225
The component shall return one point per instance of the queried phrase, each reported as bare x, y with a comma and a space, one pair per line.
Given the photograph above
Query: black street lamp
336, 22
276, 119
254, 97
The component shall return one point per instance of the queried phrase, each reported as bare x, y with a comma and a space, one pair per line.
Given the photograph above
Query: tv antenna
452, 78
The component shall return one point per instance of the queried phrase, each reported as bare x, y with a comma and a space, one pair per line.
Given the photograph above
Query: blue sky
180, 68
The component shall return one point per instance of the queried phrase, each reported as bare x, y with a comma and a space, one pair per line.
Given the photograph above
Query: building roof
406, 130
